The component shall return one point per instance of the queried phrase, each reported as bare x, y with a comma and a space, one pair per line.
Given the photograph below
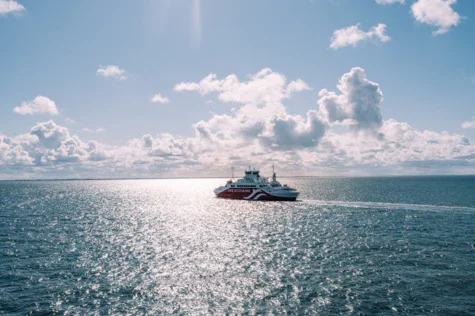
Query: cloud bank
344, 135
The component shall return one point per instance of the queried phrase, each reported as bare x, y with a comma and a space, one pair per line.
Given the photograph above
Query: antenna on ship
232, 170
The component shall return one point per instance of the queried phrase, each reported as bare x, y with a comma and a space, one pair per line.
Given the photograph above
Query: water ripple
170, 246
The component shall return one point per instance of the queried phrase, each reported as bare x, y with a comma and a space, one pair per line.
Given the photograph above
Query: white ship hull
256, 188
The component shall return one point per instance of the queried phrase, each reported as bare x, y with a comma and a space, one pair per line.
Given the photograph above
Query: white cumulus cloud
358, 104
39, 105
352, 35
437, 13
262, 120
469, 124
158, 98
112, 71
263, 87
297, 86
10, 6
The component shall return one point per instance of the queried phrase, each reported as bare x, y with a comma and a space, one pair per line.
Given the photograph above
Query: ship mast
232, 172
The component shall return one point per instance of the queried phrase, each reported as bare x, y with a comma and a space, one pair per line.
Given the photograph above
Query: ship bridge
252, 173
251, 177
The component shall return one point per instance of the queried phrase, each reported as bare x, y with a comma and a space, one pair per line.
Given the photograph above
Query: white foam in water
27, 202
392, 206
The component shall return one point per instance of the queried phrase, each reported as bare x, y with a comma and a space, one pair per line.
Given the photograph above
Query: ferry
253, 187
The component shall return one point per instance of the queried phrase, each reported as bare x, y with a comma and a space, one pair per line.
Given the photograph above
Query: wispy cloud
352, 35
385, 2
98, 130
196, 22
112, 71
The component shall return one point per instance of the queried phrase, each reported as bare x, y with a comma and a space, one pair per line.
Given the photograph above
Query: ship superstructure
254, 187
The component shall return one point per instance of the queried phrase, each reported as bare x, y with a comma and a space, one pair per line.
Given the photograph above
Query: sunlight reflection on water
171, 246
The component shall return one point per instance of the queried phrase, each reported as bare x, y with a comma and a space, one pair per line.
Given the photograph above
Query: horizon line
184, 178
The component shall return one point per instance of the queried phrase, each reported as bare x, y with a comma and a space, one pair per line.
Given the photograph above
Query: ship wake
392, 206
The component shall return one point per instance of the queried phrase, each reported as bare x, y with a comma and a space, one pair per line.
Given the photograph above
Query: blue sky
54, 49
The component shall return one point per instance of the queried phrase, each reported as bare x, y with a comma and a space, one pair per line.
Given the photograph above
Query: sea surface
368, 246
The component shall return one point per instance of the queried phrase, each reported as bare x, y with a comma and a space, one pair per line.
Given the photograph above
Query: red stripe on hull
251, 195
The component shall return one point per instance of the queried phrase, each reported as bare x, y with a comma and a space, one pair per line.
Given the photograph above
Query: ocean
368, 246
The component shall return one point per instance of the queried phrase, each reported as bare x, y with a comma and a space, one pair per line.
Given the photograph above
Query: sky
190, 88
